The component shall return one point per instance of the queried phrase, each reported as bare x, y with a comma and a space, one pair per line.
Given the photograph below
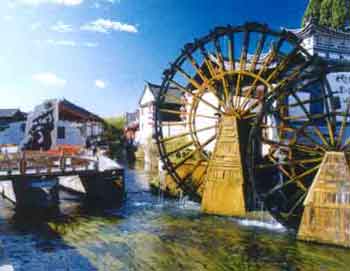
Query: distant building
333, 46
11, 115
60, 122
330, 44
131, 118
147, 107
12, 126
76, 124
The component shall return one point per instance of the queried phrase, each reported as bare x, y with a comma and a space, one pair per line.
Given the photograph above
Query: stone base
326, 217
105, 187
224, 199
224, 188
33, 194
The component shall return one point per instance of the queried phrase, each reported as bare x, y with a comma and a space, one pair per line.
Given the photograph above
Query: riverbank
153, 233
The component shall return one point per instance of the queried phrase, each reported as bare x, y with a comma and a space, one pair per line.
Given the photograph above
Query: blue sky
98, 53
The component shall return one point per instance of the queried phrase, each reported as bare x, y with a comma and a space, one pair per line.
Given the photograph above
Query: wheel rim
229, 72
308, 121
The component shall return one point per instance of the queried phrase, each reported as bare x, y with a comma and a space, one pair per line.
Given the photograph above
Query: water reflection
146, 235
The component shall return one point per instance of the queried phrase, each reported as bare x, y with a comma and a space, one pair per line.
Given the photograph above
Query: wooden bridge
31, 179
44, 164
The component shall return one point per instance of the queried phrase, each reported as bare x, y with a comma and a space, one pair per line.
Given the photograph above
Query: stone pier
105, 187
326, 217
35, 193
224, 192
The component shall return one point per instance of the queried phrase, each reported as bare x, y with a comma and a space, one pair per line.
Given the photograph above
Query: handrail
49, 163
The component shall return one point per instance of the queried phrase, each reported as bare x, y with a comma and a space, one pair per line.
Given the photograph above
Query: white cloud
62, 27
105, 26
98, 3
90, 44
70, 43
8, 18
49, 79
35, 26
100, 84
56, 2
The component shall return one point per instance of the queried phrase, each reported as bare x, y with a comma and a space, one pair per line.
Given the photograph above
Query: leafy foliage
113, 135
117, 123
326, 13
340, 13
313, 10
330, 13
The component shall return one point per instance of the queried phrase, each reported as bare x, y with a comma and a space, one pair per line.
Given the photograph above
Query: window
61, 132
23, 127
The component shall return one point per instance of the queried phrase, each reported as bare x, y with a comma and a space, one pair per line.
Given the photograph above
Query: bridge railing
35, 163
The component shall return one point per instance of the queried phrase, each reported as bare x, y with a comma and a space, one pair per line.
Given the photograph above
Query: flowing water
150, 233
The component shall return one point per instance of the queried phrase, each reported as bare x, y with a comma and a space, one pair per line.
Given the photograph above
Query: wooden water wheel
302, 146
208, 101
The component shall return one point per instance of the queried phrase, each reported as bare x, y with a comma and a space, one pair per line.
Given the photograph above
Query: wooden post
326, 217
23, 164
224, 188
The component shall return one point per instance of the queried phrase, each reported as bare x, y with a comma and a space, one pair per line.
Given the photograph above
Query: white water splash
271, 225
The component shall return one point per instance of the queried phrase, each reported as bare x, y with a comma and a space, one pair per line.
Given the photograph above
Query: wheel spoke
343, 124
197, 68
295, 178
231, 51
297, 203
283, 65
192, 153
207, 61
196, 97
172, 124
190, 79
242, 65
187, 133
317, 130
269, 59
196, 165
295, 162
258, 52
220, 60
179, 149
297, 71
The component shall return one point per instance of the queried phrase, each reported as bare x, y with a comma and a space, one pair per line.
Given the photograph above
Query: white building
147, 107
12, 126
333, 46
330, 44
76, 124
60, 122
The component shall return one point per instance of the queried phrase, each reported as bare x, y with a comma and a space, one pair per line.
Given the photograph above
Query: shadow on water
145, 234
51, 241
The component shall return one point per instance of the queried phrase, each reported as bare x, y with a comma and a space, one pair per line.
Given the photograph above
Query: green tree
326, 13
339, 14
330, 13
116, 122
113, 135
313, 10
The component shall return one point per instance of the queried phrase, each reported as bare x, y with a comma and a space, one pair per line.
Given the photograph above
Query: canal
152, 233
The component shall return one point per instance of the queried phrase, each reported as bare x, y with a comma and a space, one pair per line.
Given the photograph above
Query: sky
99, 53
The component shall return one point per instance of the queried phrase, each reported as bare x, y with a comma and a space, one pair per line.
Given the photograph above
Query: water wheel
208, 101
302, 146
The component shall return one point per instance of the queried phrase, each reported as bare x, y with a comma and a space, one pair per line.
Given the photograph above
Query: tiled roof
9, 113
155, 89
